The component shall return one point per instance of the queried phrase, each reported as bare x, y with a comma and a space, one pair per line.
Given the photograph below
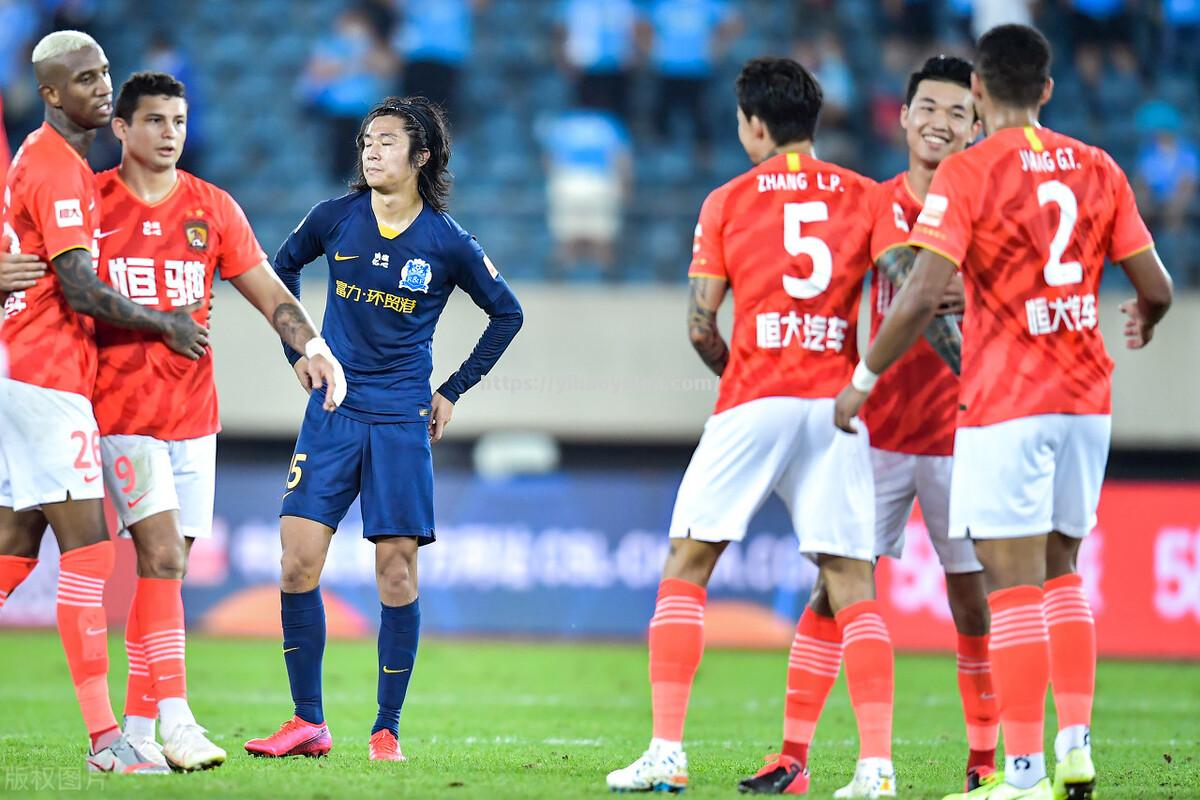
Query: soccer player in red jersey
911, 413
1029, 215
166, 236
792, 238
48, 434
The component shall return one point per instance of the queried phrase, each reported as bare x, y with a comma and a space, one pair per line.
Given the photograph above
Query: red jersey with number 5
913, 407
49, 209
1030, 215
164, 255
793, 239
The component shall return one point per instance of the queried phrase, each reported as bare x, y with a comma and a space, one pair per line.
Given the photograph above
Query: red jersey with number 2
49, 209
793, 239
1030, 215
913, 407
164, 255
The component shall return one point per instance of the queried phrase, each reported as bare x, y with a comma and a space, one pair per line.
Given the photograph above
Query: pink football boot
294, 738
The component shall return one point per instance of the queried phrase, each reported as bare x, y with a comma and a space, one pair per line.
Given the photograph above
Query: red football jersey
793, 238
164, 255
913, 407
1029, 215
49, 208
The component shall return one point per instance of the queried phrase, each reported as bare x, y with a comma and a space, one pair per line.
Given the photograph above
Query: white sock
665, 745
1071, 738
174, 711
139, 727
1025, 771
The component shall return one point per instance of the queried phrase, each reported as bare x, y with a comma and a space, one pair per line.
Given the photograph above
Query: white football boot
660, 769
187, 748
873, 777
123, 757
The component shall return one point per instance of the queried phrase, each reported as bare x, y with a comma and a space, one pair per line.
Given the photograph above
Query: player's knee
847, 581
1061, 555
692, 561
164, 559
397, 578
299, 572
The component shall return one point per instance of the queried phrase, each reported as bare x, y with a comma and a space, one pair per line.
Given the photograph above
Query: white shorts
786, 445
1029, 476
901, 478
50, 446
147, 476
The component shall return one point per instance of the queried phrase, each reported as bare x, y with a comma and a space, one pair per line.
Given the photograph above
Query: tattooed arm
942, 333
262, 287
87, 294
266, 292
706, 297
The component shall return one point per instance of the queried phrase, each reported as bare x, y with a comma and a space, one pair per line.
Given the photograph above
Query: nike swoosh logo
90, 478
395, 671
95, 631
149, 699
340, 257
133, 503
290, 649
169, 677
289, 491
106, 234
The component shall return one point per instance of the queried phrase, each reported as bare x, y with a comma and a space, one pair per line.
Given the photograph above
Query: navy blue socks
303, 617
399, 630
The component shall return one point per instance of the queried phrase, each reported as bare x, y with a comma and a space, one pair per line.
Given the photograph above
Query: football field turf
519, 720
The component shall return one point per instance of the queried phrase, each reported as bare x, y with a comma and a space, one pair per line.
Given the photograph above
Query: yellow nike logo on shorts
340, 257
394, 671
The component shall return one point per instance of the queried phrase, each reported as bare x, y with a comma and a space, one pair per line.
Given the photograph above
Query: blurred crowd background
587, 132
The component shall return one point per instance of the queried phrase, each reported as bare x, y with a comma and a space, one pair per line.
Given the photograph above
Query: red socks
867, 649
140, 699
676, 645
1020, 655
13, 570
159, 604
1072, 649
813, 666
980, 709
84, 631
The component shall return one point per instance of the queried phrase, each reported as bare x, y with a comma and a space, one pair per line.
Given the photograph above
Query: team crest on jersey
196, 233
416, 275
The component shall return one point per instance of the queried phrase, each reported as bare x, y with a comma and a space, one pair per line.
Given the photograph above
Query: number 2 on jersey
796, 243
1056, 272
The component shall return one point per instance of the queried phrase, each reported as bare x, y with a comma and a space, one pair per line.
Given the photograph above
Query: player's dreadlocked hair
948, 69
425, 124
783, 94
1014, 64
145, 84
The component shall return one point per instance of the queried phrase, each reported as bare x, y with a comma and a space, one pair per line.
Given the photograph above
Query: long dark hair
425, 124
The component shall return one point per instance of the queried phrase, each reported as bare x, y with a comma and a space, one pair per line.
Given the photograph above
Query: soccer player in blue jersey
395, 256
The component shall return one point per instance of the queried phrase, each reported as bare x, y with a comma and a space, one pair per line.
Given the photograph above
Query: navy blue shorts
338, 459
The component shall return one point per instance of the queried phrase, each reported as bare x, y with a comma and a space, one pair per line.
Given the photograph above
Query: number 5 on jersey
295, 473
796, 243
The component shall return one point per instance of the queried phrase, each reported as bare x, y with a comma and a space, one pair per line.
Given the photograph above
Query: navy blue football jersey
386, 292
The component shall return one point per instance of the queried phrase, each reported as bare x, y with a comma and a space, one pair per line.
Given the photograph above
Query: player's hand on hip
325, 370
440, 412
184, 335
1137, 333
20, 271
846, 408
954, 298
301, 368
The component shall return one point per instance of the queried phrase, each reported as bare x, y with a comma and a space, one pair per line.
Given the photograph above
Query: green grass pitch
517, 720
